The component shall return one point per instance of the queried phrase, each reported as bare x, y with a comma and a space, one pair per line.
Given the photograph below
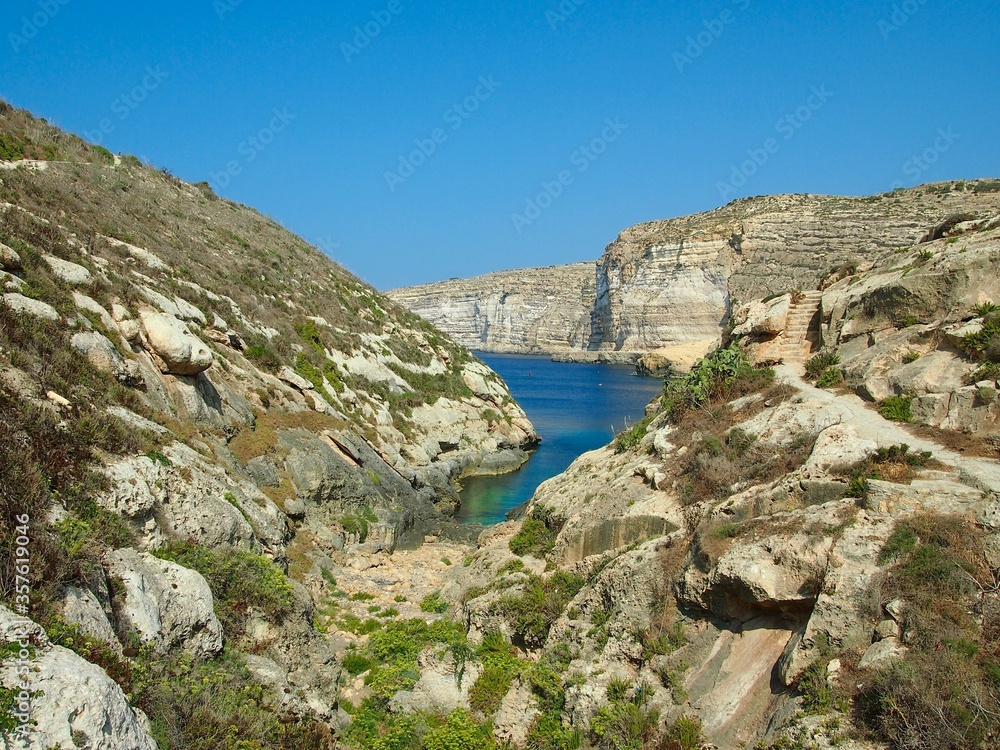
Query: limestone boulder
104, 355
74, 703
168, 605
836, 446
935, 372
28, 306
71, 273
175, 349
9, 259
761, 318
81, 607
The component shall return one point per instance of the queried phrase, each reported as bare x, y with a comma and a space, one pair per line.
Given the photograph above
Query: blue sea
575, 407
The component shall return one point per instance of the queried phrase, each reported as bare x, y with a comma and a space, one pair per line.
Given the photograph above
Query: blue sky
463, 137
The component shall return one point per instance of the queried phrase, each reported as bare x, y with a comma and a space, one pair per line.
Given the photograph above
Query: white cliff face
675, 282
535, 310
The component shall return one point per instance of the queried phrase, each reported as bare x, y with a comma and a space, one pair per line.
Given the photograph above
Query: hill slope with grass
196, 405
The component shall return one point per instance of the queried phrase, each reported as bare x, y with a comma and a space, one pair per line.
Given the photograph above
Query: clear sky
417, 142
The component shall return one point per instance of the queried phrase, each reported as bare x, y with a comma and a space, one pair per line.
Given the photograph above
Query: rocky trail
982, 473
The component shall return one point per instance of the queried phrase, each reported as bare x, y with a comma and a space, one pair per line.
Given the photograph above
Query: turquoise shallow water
575, 407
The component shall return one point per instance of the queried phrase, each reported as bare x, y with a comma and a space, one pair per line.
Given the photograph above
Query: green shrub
897, 408
489, 689
830, 377
985, 308
532, 612
355, 663
943, 692
537, 535
625, 723
434, 603
685, 733
910, 357
986, 342
548, 733
240, 581
207, 705
630, 438
818, 364
460, 731
724, 375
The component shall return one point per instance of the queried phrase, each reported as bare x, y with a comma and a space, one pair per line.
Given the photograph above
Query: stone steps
797, 340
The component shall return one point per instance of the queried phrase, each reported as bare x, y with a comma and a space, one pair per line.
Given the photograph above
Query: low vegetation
241, 581
895, 463
945, 693
537, 535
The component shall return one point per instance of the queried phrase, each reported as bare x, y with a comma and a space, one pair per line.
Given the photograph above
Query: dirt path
982, 473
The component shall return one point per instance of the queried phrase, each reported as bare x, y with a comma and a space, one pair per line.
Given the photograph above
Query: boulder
288, 375
936, 372
836, 446
763, 318
93, 306
173, 347
168, 605
37, 308
9, 259
71, 273
104, 355
74, 703
882, 653
81, 607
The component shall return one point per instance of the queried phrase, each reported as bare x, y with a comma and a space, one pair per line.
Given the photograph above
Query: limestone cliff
676, 282
532, 311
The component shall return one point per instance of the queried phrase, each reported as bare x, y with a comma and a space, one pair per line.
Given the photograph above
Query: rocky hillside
197, 409
675, 283
532, 311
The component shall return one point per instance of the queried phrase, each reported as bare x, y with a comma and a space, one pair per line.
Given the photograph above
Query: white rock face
71, 273
178, 351
168, 605
20, 303
74, 703
186, 498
